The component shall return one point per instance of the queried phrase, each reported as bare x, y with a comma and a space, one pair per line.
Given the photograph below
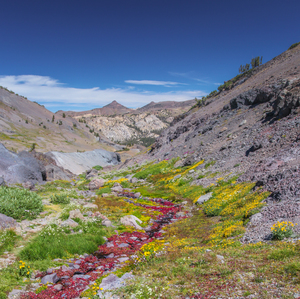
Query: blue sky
78, 55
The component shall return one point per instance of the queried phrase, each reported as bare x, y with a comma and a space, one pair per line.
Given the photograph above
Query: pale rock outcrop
130, 220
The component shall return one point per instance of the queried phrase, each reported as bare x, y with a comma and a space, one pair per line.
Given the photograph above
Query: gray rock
7, 222
137, 195
76, 214
28, 185
20, 168
220, 258
130, 220
96, 184
117, 189
2, 182
51, 278
204, 198
123, 245
133, 180
243, 123
15, 294
91, 174
54, 172
70, 223
78, 163
112, 281
107, 223
58, 287
177, 176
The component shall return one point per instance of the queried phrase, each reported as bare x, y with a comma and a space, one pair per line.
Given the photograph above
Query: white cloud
44, 89
153, 82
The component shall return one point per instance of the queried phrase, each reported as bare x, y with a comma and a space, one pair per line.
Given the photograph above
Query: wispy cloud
191, 76
49, 91
153, 82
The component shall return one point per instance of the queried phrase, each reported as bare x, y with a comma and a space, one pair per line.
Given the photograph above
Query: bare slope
23, 123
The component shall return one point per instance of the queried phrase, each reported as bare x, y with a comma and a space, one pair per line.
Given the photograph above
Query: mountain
167, 105
114, 108
141, 126
250, 130
24, 123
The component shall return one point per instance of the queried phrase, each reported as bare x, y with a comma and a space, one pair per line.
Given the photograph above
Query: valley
171, 200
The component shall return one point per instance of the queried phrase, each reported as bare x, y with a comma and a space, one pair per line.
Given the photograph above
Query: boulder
112, 282
70, 223
133, 180
107, 223
137, 195
54, 172
91, 174
28, 185
96, 184
204, 198
130, 220
51, 278
117, 189
76, 214
20, 168
7, 222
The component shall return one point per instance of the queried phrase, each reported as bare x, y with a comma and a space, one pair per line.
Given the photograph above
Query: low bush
7, 240
20, 203
62, 198
281, 230
98, 167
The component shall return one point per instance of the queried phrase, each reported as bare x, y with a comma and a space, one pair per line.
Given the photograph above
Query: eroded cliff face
141, 128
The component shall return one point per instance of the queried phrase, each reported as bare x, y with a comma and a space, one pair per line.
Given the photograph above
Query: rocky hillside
252, 129
127, 126
24, 123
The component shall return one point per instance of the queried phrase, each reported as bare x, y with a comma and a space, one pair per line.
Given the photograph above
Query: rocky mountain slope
252, 129
24, 123
128, 126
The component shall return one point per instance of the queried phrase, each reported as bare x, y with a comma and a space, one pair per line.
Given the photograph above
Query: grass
20, 203
185, 263
8, 239
55, 242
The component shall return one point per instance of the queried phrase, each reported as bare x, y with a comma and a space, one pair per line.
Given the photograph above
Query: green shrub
282, 253
211, 163
281, 230
103, 190
98, 167
151, 169
20, 203
62, 198
7, 240
293, 46
53, 242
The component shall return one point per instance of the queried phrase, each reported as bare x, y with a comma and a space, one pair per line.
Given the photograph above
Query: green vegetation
98, 167
56, 242
8, 239
293, 46
62, 198
20, 203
